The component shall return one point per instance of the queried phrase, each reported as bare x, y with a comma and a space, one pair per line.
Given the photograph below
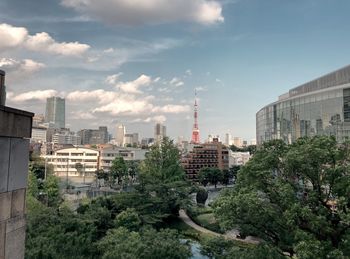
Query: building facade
94, 137
159, 132
39, 134
108, 154
56, 111
319, 107
120, 135
65, 162
213, 154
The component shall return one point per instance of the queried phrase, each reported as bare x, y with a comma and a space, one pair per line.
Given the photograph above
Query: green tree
296, 198
147, 244
128, 219
52, 190
201, 196
211, 175
162, 177
118, 170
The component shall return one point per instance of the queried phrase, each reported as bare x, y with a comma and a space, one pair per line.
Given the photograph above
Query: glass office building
319, 107
56, 111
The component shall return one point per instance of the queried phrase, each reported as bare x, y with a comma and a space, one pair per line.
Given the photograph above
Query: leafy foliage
210, 175
296, 198
201, 196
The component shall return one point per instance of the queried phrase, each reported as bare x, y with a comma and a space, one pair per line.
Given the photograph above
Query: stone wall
15, 128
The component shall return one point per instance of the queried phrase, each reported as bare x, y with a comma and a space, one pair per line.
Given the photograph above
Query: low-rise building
238, 158
39, 134
213, 154
109, 153
74, 162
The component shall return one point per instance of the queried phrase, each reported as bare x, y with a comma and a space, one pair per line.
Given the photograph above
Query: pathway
229, 235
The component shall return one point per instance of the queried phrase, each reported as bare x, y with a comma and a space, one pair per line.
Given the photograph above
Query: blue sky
139, 62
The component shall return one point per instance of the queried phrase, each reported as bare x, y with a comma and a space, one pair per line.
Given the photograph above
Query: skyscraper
56, 111
120, 135
159, 132
2, 88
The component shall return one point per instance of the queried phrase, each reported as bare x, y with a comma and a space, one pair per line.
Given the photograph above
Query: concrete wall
14, 157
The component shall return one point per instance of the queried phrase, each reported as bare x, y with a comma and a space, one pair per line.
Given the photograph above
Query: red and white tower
195, 130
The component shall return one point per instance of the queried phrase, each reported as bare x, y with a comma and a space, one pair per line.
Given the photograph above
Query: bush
202, 196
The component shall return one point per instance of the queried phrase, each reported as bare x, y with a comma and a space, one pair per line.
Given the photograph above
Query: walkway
229, 235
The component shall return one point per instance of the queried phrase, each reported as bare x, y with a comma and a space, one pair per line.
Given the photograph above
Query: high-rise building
94, 137
228, 139
56, 111
237, 141
195, 131
319, 107
213, 154
159, 132
2, 88
120, 135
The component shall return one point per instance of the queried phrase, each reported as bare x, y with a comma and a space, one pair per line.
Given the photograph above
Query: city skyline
143, 66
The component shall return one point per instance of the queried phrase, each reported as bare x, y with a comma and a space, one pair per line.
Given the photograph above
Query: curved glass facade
320, 107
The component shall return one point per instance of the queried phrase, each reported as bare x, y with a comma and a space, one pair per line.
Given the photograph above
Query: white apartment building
108, 154
65, 162
238, 158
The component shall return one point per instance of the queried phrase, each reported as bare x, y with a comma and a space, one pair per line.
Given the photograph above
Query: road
229, 235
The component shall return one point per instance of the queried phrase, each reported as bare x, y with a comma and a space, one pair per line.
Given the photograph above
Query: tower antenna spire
195, 130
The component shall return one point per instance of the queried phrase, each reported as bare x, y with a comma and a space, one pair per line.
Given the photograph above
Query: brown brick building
213, 154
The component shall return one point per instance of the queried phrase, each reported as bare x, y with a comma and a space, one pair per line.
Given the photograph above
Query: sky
138, 62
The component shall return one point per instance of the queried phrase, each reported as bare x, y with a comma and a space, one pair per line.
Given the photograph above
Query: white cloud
26, 65
112, 79
82, 115
188, 72
176, 82
200, 88
156, 80
43, 42
110, 50
138, 12
40, 95
12, 37
133, 86
171, 108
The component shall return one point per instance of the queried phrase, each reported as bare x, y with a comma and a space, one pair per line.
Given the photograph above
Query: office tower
318, 107
228, 139
94, 137
159, 132
56, 111
2, 88
120, 135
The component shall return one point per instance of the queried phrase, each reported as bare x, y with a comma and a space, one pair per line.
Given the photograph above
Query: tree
147, 244
211, 175
118, 170
162, 177
52, 190
201, 196
128, 219
296, 198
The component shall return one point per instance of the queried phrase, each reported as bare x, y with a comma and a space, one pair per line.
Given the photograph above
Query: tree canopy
296, 198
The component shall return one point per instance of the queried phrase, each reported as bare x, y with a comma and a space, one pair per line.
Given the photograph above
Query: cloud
133, 86
43, 42
112, 79
200, 89
139, 12
82, 115
23, 66
171, 108
188, 72
40, 95
12, 37
176, 82
157, 119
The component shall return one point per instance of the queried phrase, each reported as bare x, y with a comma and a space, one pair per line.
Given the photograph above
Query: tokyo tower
195, 130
